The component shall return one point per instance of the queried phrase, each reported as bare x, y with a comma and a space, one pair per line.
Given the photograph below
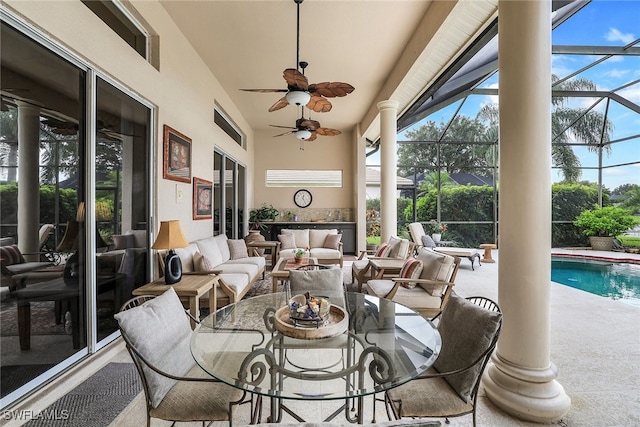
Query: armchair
394, 248
425, 290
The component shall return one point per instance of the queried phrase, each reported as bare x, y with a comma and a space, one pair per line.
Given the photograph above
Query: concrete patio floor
595, 344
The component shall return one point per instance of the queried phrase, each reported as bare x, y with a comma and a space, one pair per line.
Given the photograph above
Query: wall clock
302, 198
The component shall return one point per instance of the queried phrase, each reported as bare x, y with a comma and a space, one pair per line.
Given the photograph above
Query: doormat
96, 402
13, 377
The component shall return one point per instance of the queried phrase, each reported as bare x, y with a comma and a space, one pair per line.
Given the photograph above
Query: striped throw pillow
411, 269
10, 255
383, 250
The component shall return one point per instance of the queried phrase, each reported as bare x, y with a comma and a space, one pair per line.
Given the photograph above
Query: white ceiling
385, 49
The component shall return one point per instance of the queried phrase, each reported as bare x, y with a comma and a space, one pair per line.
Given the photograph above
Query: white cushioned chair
429, 292
422, 239
157, 334
469, 330
394, 248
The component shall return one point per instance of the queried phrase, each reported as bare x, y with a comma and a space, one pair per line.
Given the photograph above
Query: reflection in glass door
228, 196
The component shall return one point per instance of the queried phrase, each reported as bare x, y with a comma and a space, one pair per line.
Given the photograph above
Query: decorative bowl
307, 310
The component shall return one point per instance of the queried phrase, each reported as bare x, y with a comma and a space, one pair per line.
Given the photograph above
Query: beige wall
183, 90
326, 152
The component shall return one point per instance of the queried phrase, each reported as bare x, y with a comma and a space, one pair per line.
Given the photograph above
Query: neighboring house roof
373, 179
470, 179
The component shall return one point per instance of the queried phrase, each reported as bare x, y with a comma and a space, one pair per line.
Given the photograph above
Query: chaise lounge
423, 240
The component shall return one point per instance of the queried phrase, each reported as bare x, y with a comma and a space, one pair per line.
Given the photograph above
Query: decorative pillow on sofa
411, 269
238, 248
332, 241
287, 241
202, 263
123, 241
10, 255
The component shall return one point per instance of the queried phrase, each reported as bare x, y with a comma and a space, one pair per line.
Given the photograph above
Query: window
304, 178
227, 126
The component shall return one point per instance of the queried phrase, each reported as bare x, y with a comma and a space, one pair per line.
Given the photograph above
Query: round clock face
302, 198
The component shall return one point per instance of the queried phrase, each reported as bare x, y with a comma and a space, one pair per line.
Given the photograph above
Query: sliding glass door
229, 189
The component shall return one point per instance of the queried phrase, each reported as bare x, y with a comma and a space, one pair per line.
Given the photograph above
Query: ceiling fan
299, 92
307, 130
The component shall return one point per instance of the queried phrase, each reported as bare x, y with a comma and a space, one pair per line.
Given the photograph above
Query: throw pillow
202, 263
160, 331
332, 241
435, 266
411, 269
237, 248
123, 241
11, 255
399, 247
287, 241
466, 331
428, 242
383, 251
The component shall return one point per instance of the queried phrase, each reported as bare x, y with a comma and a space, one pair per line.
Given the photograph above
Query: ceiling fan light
303, 134
298, 97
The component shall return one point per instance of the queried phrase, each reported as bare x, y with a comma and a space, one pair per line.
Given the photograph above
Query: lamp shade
170, 236
298, 97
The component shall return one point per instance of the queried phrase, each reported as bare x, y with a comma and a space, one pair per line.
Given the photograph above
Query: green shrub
606, 221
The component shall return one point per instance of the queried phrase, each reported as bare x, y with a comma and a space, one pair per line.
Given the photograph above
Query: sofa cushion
287, 241
237, 282
324, 253
186, 256
317, 237
466, 330
221, 240
209, 248
301, 236
332, 241
250, 270
411, 269
139, 238
258, 261
10, 255
238, 248
159, 329
435, 266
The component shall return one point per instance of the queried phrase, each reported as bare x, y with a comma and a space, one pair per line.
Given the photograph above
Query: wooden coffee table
190, 288
281, 271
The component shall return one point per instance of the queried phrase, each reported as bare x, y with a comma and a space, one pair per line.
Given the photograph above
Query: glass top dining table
384, 345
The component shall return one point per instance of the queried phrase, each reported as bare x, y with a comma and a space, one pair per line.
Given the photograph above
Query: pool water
618, 281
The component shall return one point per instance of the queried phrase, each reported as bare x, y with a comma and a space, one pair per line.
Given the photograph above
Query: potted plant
373, 229
436, 229
299, 254
603, 224
259, 215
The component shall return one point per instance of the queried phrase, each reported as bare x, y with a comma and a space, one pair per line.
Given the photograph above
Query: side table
190, 288
274, 247
487, 252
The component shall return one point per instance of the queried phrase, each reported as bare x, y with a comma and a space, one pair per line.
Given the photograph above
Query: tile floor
595, 344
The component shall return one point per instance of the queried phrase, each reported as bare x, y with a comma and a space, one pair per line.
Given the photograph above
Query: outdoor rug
96, 402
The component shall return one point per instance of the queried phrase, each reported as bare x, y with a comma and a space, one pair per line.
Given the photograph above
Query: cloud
632, 93
616, 73
615, 35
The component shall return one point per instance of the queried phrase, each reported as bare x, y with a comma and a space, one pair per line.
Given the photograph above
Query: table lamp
170, 237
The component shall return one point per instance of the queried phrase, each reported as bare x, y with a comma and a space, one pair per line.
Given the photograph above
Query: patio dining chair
157, 334
469, 329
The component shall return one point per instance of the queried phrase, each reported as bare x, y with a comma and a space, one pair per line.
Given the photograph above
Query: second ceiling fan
299, 92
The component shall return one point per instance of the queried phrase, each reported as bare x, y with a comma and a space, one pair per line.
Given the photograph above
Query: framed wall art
202, 198
177, 156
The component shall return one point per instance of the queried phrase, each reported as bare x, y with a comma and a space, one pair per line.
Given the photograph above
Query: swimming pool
618, 281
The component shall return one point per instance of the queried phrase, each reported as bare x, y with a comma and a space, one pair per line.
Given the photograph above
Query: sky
599, 23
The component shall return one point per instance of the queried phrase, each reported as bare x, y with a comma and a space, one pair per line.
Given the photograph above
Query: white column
28, 178
389, 170
521, 380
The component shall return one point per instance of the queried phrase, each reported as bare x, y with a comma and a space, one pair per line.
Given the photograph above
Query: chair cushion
10, 255
160, 331
301, 237
306, 280
287, 241
435, 266
332, 241
399, 247
466, 330
416, 298
411, 269
238, 248
428, 242
383, 251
